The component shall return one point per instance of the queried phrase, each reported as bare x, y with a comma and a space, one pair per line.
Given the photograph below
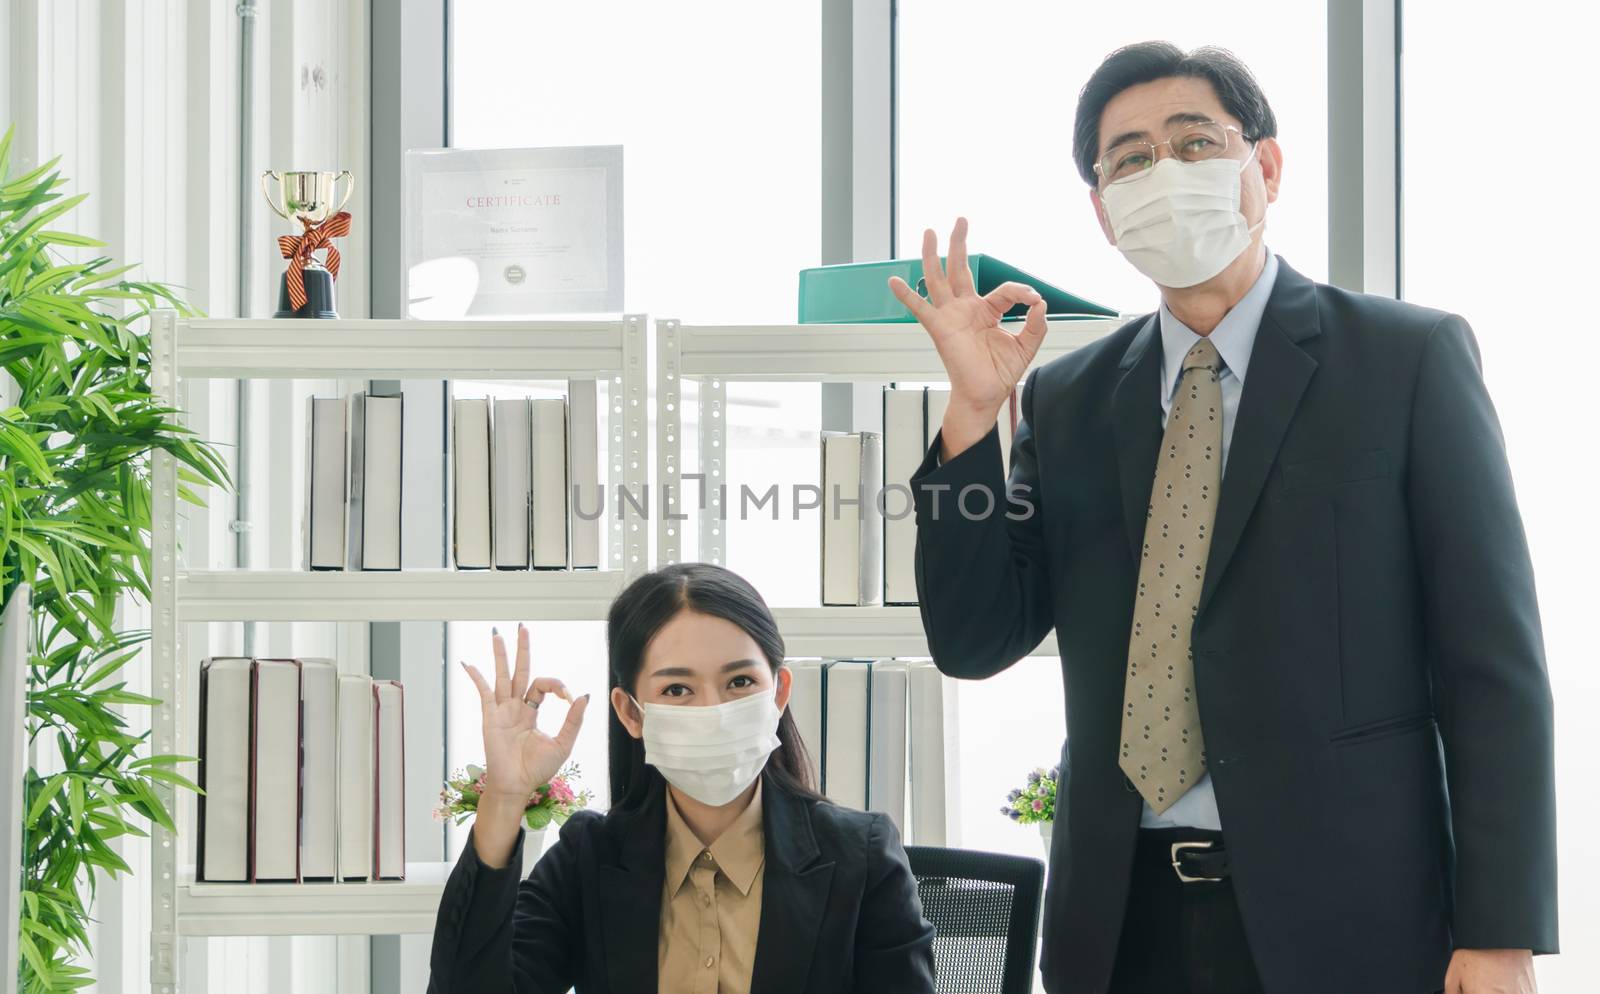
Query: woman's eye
742, 681
675, 690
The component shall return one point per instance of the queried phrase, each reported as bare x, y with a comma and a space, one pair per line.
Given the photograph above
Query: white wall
140, 98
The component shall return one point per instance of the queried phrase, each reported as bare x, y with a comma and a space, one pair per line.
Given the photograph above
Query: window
986, 110
717, 109
1488, 235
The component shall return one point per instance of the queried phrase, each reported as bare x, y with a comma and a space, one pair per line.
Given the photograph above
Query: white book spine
869, 557
324, 523
390, 846
512, 483
841, 521
275, 781
805, 708
583, 461
886, 736
938, 401
934, 757
356, 776
847, 691
319, 823
471, 473
224, 809
904, 442
384, 457
550, 484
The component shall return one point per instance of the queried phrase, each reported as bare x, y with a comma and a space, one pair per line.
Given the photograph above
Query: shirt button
710, 962
705, 899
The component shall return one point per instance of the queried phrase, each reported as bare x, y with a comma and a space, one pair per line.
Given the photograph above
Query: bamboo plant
75, 499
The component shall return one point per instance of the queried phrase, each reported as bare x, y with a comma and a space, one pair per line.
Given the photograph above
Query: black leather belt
1200, 862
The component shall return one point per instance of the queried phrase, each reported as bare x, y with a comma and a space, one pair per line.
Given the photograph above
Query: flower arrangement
1035, 802
554, 802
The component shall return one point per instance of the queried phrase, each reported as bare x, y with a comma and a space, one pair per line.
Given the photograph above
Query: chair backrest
985, 913
14, 625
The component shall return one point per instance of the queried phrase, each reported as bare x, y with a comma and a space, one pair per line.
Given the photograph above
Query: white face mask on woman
1179, 223
711, 753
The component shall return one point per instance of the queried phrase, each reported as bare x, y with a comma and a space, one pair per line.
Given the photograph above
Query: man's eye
1133, 160
1197, 143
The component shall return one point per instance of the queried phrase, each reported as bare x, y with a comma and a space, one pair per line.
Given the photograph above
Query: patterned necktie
1162, 751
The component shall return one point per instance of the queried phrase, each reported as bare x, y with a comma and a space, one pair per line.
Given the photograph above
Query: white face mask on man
1179, 223
711, 753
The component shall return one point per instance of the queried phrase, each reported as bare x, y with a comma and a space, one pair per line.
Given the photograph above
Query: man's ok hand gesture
984, 362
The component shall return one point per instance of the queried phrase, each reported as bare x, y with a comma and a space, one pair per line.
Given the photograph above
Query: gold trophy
306, 289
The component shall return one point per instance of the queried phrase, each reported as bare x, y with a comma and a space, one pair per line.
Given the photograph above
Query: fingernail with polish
493, 630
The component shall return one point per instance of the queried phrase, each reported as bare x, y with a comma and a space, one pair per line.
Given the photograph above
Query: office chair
985, 912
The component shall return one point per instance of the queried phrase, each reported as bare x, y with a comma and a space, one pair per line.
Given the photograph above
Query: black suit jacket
839, 907
1368, 655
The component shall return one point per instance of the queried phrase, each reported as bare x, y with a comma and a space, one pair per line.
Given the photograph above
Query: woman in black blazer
838, 908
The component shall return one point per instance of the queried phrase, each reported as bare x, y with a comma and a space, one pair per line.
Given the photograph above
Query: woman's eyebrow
737, 664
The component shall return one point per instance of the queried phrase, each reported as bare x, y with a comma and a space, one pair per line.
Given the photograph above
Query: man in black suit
1274, 529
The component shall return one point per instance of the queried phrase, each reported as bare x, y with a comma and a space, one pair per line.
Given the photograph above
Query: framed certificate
513, 231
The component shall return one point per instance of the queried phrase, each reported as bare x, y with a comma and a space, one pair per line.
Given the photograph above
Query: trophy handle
266, 192
349, 188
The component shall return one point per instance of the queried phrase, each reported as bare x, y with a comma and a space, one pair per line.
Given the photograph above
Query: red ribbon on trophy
299, 249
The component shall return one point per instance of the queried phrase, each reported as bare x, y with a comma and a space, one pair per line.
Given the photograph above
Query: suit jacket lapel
794, 895
1277, 376
631, 877
1136, 427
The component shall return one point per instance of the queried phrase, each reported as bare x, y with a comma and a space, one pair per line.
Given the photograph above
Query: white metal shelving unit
613, 350
715, 354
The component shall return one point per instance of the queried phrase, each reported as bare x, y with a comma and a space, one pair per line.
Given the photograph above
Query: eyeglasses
1194, 142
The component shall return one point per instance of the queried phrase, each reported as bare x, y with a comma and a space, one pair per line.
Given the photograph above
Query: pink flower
560, 790
440, 814
1038, 804
479, 786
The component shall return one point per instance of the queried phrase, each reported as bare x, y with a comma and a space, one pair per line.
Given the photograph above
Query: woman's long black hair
641, 611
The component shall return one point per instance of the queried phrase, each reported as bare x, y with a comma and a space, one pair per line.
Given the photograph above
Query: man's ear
627, 713
1100, 215
1270, 154
785, 678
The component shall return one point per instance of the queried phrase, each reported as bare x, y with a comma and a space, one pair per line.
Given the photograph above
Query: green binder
858, 293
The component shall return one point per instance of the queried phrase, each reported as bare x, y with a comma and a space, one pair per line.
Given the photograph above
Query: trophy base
319, 295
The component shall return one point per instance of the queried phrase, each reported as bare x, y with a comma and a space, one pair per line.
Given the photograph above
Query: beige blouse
711, 905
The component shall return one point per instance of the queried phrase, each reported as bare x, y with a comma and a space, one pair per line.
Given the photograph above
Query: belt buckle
1178, 849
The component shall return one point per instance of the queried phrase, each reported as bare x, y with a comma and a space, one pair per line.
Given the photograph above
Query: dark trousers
1177, 937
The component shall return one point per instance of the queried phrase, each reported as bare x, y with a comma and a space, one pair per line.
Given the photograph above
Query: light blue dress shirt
1234, 338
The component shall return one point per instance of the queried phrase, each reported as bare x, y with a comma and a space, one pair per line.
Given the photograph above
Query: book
389, 842
933, 756
805, 709
583, 471
847, 695
275, 771
904, 442
938, 401
886, 742
357, 780
855, 293
1008, 429
223, 808
512, 450
319, 788
472, 522
852, 527
376, 481
550, 484
323, 527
